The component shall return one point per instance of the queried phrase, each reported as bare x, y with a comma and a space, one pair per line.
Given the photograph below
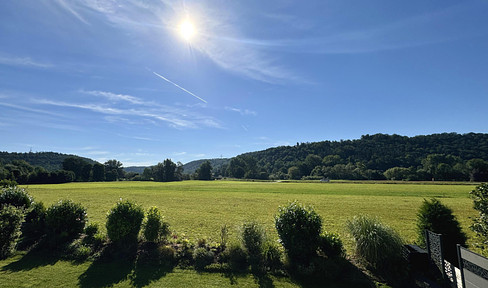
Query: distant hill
51, 161
378, 152
188, 168
136, 169
191, 167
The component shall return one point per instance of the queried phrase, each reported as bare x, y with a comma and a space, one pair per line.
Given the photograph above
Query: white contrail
169, 81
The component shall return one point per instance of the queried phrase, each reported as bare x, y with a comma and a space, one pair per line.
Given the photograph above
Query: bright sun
187, 30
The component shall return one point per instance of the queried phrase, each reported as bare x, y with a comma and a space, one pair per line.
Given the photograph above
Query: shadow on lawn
151, 265
110, 268
339, 273
33, 259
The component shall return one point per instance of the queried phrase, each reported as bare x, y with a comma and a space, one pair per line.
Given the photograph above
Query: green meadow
199, 209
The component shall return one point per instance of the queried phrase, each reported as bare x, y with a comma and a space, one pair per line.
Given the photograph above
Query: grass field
199, 209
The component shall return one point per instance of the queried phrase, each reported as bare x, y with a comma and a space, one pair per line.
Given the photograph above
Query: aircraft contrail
169, 81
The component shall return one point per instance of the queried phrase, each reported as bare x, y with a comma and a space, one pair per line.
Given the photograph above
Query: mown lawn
198, 209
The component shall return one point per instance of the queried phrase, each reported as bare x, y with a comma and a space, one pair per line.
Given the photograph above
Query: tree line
446, 156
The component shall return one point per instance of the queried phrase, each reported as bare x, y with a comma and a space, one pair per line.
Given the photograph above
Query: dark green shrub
15, 196
154, 227
480, 223
65, 221
438, 218
376, 244
167, 256
91, 229
236, 257
330, 245
272, 256
34, 226
124, 223
253, 239
10, 221
299, 229
202, 258
93, 237
78, 251
5, 183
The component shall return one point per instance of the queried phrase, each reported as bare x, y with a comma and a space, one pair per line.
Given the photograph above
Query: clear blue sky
119, 79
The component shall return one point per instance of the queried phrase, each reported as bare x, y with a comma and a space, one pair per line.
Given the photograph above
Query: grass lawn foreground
199, 209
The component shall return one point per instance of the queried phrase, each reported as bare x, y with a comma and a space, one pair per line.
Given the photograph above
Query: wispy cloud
117, 97
242, 111
23, 62
28, 109
140, 112
218, 38
70, 7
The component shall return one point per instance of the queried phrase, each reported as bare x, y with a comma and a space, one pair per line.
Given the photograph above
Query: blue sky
117, 80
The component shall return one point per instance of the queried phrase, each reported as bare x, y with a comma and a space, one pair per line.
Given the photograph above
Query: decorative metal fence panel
474, 268
434, 248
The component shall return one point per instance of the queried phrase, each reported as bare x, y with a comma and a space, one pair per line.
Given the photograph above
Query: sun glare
187, 30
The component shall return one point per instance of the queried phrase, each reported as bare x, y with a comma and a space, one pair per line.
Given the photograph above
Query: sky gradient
117, 80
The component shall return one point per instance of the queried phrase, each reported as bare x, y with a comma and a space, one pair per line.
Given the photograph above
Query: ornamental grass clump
377, 245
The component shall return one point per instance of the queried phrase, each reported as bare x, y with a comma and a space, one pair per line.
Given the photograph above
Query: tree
237, 167
294, 173
98, 172
478, 170
332, 160
169, 170
397, 173
76, 165
204, 172
311, 162
165, 172
113, 170
86, 172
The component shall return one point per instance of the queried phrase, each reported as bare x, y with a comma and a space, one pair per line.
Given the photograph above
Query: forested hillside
50, 161
217, 164
369, 158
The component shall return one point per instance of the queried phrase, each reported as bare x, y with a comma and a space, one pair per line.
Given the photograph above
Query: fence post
438, 253
458, 248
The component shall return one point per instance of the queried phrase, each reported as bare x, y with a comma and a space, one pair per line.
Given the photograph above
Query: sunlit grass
199, 209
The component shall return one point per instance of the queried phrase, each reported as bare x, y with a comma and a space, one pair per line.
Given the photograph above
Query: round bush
65, 220
10, 220
15, 196
34, 226
299, 229
124, 222
202, 258
236, 256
